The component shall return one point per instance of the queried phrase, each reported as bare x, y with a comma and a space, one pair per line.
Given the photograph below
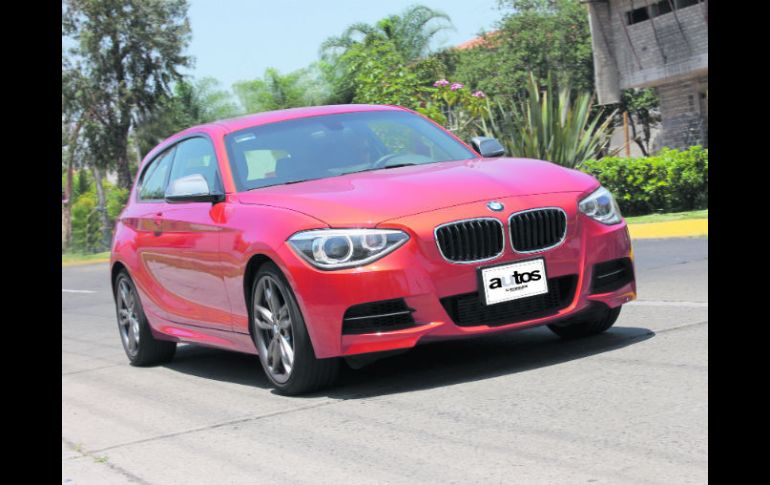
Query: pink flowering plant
457, 107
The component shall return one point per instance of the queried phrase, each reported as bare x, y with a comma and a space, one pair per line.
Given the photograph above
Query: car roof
235, 124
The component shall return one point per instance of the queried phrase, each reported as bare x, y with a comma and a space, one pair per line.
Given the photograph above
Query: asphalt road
627, 406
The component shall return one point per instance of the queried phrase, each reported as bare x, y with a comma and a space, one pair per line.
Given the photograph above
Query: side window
153, 183
196, 156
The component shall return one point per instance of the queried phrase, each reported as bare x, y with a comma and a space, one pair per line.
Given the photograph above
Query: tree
642, 107
540, 36
88, 139
129, 51
303, 87
75, 113
409, 34
190, 103
380, 76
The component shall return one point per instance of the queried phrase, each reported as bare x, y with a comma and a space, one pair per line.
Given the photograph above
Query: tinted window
332, 145
153, 184
196, 156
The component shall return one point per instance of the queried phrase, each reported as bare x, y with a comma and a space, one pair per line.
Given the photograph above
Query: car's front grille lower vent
537, 229
378, 316
612, 275
470, 240
468, 310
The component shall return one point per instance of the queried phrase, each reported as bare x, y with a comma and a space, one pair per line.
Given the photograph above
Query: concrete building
657, 44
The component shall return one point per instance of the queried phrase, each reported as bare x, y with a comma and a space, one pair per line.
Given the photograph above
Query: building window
637, 15
685, 3
660, 8
641, 14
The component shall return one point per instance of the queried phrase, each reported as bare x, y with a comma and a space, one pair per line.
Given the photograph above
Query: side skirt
163, 329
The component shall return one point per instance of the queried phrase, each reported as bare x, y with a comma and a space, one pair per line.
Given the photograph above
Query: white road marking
690, 304
76, 291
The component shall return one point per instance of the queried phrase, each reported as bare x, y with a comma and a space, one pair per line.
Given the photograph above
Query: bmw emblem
495, 206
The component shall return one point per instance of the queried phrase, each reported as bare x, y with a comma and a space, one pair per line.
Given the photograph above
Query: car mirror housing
487, 147
192, 188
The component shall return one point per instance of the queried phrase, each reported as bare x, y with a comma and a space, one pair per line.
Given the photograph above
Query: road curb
64, 264
669, 229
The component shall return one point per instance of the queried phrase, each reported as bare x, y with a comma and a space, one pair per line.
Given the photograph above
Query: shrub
86, 227
87, 231
558, 125
671, 181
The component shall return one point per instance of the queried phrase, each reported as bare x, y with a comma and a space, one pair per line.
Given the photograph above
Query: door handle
158, 224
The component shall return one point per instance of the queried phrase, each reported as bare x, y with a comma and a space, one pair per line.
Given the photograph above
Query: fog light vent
612, 275
378, 316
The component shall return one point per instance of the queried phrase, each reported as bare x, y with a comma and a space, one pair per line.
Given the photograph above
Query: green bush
671, 181
86, 227
116, 200
87, 235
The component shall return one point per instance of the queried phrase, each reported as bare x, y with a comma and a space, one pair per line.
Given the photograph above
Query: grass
672, 216
74, 258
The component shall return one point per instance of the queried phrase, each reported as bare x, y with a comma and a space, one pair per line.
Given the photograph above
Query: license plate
513, 281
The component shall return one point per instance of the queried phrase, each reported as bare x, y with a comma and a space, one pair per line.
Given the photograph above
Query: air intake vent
468, 310
470, 240
378, 316
612, 275
536, 230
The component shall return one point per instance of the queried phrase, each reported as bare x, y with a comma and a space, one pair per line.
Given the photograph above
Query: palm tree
411, 33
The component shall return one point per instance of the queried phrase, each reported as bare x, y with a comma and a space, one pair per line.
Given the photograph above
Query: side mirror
192, 188
487, 147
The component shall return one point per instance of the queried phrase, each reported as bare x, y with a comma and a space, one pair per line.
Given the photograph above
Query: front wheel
595, 324
281, 337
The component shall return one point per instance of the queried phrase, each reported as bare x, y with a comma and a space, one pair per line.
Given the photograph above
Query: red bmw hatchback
314, 234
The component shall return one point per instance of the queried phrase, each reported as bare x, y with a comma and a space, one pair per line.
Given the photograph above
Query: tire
594, 324
142, 349
283, 344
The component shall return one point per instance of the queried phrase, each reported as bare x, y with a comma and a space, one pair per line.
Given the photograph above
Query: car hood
368, 198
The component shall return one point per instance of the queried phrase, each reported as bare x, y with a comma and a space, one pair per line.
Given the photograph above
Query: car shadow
219, 365
424, 367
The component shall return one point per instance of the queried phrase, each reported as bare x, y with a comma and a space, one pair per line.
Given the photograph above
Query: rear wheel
141, 347
594, 324
281, 337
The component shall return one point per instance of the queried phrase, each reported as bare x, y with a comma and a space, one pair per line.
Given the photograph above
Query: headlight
600, 205
345, 248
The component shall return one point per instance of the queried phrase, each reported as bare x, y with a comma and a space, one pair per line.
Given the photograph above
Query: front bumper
419, 274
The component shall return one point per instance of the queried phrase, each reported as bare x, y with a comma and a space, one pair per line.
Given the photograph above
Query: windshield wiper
395, 165
279, 183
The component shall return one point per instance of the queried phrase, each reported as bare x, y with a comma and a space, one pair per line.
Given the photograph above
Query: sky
235, 40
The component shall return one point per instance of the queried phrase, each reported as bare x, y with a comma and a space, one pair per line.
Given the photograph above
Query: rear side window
196, 156
153, 184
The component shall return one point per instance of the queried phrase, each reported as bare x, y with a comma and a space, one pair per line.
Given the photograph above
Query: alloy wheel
274, 334
128, 318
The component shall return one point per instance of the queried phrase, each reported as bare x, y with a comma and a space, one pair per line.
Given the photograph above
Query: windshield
328, 146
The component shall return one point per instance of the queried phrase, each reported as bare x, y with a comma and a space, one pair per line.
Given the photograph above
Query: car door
144, 216
183, 255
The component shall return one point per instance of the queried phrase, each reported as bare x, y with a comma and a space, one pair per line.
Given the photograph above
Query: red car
310, 235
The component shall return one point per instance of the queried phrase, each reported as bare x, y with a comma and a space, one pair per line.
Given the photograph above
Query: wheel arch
117, 267
252, 266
